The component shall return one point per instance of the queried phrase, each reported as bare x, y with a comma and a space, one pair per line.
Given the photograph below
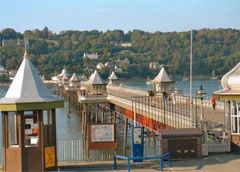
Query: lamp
201, 94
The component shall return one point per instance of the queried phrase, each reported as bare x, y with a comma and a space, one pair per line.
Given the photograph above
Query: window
13, 129
31, 129
235, 117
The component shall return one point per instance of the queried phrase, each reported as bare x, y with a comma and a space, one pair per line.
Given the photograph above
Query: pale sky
146, 15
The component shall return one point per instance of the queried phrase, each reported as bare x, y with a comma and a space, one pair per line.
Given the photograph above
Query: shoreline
5, 84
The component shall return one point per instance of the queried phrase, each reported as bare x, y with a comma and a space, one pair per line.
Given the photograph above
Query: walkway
213, 163
127, 93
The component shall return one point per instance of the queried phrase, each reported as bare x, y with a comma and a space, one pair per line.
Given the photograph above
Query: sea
70, 127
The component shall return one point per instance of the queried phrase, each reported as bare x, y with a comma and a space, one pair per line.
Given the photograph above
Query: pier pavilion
162, 82
29, 123
230, 94
113, 79
73, 81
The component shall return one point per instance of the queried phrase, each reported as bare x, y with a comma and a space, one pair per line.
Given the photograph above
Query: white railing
73, 150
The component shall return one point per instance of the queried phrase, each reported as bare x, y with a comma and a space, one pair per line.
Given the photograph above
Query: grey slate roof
27, 86
113, 76
95, 79
161, 77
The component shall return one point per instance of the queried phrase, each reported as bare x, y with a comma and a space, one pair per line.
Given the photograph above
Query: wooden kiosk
230, 94
29, 123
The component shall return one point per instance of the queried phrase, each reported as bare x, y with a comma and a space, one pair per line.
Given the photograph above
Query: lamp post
201, 94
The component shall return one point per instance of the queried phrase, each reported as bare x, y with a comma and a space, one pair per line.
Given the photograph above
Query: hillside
213, 49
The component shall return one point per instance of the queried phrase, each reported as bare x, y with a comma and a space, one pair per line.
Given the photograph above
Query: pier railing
73, 150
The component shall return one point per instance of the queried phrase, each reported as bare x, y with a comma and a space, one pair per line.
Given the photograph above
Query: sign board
50, 156
29, 121
102, 133
137, 136
102, 136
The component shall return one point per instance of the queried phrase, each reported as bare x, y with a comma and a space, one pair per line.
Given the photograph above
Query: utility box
137, 143
183, 143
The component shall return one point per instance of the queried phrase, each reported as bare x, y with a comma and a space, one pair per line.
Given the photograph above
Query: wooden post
68, 104
125, 136
102, 115
91, 112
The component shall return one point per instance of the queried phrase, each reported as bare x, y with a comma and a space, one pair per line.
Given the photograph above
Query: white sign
102, 133
28, 131
137, 136
34, 140
34, 126
29, 121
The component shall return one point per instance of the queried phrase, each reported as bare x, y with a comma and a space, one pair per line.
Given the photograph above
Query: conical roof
95, 79
113, 76
74, 78
65, 77
161, 77
27, 91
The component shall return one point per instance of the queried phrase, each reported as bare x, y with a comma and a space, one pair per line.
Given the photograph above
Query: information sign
50, 156
102, 133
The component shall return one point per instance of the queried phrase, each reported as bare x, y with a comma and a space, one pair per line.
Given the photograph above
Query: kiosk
29, 123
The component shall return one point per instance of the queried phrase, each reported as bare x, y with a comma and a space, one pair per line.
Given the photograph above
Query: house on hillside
2, 70
93, 56
13, 43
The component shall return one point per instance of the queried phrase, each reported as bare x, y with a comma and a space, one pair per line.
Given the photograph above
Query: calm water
70, 128
208, 85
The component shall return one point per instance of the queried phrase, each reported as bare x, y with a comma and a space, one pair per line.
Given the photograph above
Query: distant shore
5, 84
133, 79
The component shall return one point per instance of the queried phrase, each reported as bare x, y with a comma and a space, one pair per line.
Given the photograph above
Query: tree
9, 33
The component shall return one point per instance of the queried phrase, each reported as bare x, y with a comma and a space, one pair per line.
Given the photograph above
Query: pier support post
125, 136
68, 104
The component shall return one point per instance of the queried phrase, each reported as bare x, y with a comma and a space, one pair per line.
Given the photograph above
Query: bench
142, 158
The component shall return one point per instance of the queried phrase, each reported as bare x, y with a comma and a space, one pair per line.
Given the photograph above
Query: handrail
141, 158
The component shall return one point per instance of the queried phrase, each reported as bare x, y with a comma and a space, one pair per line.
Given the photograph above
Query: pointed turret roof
28, 88
113, 76
95, 79
65, 77
161, 77
74, 78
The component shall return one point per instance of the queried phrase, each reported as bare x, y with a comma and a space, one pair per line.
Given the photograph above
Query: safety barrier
142, 158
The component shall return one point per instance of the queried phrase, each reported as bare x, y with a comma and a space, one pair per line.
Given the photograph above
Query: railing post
115, 162
128, 165
169, 160
161, 164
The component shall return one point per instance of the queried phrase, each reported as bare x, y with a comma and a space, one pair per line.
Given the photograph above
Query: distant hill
213, 49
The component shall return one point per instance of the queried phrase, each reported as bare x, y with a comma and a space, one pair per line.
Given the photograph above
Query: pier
128, 107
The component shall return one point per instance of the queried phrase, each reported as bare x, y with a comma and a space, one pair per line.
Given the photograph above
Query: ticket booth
29, 123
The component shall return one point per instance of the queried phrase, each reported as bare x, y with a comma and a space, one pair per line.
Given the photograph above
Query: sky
146, 15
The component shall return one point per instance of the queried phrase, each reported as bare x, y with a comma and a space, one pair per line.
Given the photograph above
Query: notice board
50, 157
102, 136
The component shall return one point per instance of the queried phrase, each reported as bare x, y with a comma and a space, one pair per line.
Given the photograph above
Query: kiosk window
13, 129
31, 129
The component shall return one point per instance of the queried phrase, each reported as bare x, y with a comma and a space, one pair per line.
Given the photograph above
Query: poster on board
102, 133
